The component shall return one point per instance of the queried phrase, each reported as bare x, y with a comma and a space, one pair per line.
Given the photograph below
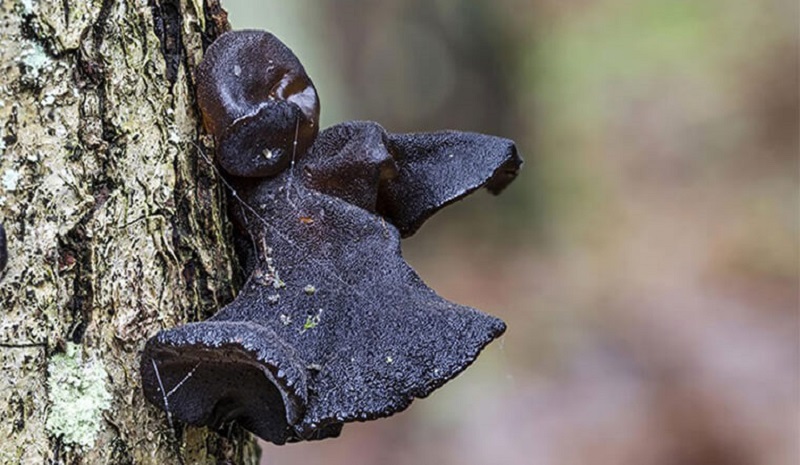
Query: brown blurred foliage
646, 260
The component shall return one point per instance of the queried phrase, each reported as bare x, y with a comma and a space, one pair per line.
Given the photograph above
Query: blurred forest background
646, 259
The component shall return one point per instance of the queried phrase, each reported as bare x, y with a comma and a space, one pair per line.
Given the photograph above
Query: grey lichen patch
10, 180
34, 61
27, 7
77, 396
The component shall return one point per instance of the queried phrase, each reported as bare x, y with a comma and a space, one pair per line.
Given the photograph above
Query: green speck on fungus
77, 395
311, 322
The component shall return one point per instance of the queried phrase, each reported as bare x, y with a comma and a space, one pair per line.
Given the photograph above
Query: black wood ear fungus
332, 325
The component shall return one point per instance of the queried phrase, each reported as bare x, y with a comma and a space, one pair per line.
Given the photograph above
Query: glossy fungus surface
257, 101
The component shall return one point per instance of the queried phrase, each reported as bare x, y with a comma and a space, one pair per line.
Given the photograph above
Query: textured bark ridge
332, 325
3, 248
114, 224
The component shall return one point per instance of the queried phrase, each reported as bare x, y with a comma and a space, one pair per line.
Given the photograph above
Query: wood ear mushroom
332, 325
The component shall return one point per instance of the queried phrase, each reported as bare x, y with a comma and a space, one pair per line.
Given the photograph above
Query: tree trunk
116, 226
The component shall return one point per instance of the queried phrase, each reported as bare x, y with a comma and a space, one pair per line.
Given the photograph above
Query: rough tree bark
116, 226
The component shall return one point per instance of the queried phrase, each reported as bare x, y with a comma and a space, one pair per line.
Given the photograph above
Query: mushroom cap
257, 101
215, 372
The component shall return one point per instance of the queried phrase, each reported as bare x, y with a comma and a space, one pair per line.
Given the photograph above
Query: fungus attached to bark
332, 325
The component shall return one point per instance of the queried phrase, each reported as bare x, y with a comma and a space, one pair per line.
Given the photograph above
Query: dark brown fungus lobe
3, 249
352, 161
440, 168
332, 325
257, 101
406, 178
